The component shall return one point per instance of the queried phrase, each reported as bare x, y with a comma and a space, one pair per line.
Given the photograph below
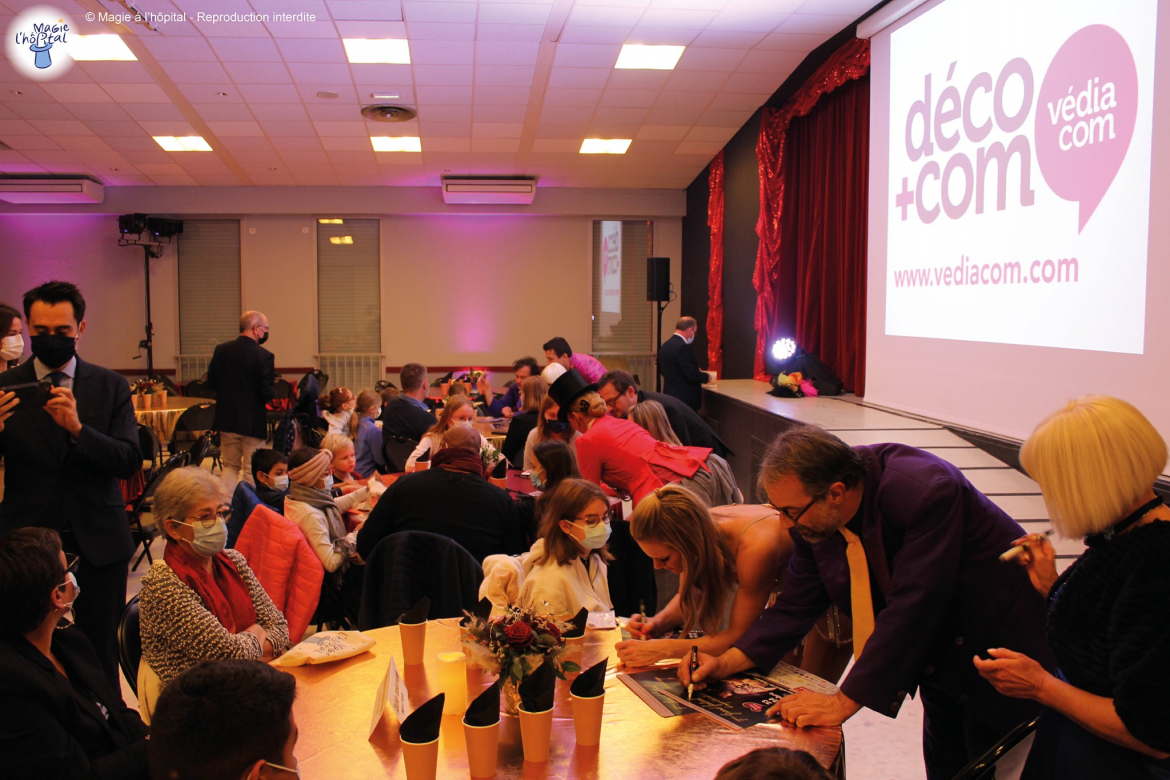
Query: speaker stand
661, 305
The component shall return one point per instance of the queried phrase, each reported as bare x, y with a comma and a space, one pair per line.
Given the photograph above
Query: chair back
408, 565
199, 449
193, 421
1005, 759
197, 388
176, 461
396, 451
130, 644
167, 384
283, 397
149, 447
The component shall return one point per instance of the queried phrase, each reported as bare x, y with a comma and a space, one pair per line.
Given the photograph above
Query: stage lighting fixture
132, 223
782, 349
160, 227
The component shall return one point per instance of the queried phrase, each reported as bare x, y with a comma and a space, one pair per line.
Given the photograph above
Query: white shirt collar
69, 369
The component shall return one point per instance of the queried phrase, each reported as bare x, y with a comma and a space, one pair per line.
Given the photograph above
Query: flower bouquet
513, 645
145, 392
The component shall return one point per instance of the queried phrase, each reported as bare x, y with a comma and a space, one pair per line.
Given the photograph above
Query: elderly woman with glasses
201, 602
566, 569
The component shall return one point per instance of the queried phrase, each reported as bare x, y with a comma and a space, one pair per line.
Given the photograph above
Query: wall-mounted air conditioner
489, 191
51, 191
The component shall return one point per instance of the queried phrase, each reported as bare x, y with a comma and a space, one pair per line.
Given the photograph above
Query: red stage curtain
715, 273
848, 63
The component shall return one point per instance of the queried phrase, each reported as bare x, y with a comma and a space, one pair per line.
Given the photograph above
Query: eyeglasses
787, 511
591, 521
72, 562
208, 520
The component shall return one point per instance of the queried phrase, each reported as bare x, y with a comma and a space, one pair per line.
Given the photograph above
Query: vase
510, 696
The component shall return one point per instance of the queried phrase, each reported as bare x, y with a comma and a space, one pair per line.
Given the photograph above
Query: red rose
519, 635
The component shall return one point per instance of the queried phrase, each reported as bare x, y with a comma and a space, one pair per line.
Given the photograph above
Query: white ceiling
502, 88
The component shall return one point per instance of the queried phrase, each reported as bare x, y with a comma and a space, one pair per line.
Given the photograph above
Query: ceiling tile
210, 93
137, 93
37, 111
638, 79
319, 72
117, 72
331, 111
735, 119
230, 30
502, 96
799, 42
257, 148
696, 5
753, 17
269, 93
445, 145
447, 114
696, 81
81, 142
362, 10
81, 93
371, 29
673, 116
732, 101
724, 39
853, 8
299, 143
628, 98
663, 36
605, 16
699, 147
350, 129
662, 132
574, 130
418, 11
720, 134
503, 75
510, 32
586, 55
675, 17
620, 115
444, 75
107, 111
17, 127
178, 49
753, 82
246, 49
701, 58
321, 28
195, 72
496, 129
578, 78
514, 13
683, 99
225, 112
131, 144
577, 33
336, 143
115, 127
495, 144
499, 114
23, 143
815, 23
323, 50
442, 32
284, 128
770, 61
383, 75
443, 96
155, 127
236, 128
445, 129
258, 72
442, 52
561, 114
53, 127
572, 97
153, 112
506, 53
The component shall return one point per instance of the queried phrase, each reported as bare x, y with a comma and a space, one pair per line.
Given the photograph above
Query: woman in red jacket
625, 456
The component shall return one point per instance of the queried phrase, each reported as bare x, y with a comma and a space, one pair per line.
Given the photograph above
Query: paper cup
587, 718
483, 743
500, 482
421, 759
422, 465
713, 380
414, 639
535, 733
453, 681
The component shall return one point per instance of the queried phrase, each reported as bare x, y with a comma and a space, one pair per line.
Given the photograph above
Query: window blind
349, 316
630, 332
209, 284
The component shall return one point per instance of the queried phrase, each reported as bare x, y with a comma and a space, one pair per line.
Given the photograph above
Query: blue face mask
537, 482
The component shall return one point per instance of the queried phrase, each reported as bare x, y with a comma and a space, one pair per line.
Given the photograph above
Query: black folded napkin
417, 613
501, 469
536, 691
482, 610
590, 682
422, 725
577, 624
485, 710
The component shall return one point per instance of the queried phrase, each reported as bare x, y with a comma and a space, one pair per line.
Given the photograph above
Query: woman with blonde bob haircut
712, 550
1096, 462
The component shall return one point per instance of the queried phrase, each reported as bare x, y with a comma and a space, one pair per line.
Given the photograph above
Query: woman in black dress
1108, 706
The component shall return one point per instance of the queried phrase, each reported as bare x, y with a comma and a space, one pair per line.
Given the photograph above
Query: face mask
537, 482
328, 482
263, 338
71, 579
53, 350
556, 426
689, 340
467, 424
208, 542
11, 347
595, 537
292, 771
280, 483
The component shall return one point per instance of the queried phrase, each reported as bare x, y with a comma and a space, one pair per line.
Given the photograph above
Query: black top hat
569, 387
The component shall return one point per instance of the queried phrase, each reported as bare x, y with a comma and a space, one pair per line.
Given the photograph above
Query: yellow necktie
862, 599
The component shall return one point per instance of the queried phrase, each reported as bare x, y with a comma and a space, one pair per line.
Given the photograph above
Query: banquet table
162, 421
335, 703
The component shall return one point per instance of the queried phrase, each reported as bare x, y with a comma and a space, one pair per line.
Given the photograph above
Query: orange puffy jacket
286, 566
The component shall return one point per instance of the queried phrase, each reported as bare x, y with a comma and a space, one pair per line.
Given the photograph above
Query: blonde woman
712, 551
457, 411
1096, 462
567, 567
716, 485
549, 427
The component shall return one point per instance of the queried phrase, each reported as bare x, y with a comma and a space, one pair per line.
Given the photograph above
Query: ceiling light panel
100, 48
635, 56
190, 143
396, 144
394, 51
605, 145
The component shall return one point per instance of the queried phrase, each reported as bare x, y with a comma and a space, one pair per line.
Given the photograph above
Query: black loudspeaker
658, 278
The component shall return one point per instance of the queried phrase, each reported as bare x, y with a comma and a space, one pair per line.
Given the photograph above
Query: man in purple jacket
939, 593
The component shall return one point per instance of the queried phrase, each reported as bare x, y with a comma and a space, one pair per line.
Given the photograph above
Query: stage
748, 419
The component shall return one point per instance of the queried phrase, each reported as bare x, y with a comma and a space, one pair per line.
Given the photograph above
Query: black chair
197, 388
1005, 759
151, 451
144, 535
130, 644
190, 426
404, 567
167, 384
200, 449
396, 451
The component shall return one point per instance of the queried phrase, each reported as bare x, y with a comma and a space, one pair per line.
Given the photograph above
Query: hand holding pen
1036, 554
694, 667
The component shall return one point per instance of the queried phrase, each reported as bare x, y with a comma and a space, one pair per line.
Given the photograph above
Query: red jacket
285, 565
624, 455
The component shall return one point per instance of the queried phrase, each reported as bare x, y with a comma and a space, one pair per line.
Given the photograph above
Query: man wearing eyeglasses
903, 543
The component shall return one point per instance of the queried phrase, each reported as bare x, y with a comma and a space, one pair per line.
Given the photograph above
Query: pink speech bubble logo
1085, 115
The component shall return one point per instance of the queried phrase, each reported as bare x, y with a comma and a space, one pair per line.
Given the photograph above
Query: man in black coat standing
65, 445
678, 368
619, 391
243, 375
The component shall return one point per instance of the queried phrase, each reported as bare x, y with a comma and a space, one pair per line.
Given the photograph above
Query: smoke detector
388, 113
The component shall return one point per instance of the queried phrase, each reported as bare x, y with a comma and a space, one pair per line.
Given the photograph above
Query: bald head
250, 319
461, 437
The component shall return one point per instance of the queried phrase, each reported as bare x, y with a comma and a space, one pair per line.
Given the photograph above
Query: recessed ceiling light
406, 143
384, 95
221, 94
636, 56
327, 95
395, 51
341, 239
95, 48
331, 222
190, 143
605, 145
17, 92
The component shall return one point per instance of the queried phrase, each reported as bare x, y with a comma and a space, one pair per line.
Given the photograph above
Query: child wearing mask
337, 407
270, 470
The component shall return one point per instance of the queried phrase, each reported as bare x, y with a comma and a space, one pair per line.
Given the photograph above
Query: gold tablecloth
162, 421
334, 703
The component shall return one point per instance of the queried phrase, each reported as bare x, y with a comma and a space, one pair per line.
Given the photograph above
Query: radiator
191, 367
356, 371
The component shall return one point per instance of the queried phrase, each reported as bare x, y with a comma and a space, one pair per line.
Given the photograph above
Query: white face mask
689, 339
328, 482
11, 347
71, 579
280, 483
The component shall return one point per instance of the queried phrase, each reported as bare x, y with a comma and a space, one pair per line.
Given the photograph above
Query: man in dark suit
243, 375
678, 368
64, 450
619, 391
932, 595
407, 415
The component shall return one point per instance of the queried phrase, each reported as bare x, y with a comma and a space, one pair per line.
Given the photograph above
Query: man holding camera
67, 434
